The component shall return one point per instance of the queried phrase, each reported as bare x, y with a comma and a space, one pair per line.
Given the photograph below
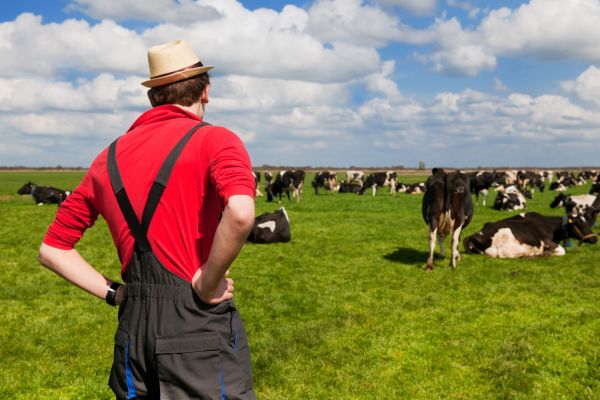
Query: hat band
198, 64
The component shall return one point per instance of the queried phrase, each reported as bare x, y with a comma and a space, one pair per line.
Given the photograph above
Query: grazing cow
509, 198
269, 186
480, 182
325, 180
44, 194
289, 181
528, 181
447, 208
528, 235
355, 176
349, 187
271, 228
257, 191
595, 189
379, 179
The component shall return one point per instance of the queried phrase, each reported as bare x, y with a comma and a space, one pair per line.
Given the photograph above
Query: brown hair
185, 92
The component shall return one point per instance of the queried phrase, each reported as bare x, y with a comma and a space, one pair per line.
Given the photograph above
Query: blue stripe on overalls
129, 375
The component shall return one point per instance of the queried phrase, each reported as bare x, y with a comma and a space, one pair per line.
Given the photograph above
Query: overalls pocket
121, 380
188, 366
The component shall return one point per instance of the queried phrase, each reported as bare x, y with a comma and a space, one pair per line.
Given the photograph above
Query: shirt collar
162, 113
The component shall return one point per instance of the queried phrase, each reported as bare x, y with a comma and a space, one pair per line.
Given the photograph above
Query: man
177, 195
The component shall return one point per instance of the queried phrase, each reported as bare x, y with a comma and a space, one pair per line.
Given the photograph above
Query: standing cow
447, 208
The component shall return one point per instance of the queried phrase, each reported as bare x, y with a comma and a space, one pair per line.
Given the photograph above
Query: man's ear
204, 95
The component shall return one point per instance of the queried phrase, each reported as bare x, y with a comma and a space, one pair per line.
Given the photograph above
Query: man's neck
196, 109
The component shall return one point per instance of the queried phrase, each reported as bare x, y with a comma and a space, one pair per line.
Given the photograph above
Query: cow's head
26, 188
477, 243
578, 227
558, 201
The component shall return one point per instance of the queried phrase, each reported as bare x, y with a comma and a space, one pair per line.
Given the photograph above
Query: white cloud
30, 48
350, 21
102, 93
543, 29
176, 11
586, 86
416, 6
472, 11
500, 86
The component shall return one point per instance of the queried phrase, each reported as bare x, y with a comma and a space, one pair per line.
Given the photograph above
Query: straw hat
172, 62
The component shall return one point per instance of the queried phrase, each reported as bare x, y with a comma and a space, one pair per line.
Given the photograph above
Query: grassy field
343, 311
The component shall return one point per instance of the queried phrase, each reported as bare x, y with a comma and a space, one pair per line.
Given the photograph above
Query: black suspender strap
139, 230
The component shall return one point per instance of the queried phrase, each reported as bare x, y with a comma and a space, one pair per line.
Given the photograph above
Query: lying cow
44, 194
415, 188
348, 187
509, 198
447, 208
528, 235
271, 228
573, 204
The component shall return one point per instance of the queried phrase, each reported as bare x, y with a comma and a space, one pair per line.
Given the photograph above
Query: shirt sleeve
73, 217
230, 166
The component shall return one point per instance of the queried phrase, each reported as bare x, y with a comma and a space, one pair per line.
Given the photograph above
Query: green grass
343, 311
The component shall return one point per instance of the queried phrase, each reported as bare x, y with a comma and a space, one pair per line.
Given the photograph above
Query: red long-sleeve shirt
213, 166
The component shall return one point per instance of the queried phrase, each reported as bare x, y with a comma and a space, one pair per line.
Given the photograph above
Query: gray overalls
169, 344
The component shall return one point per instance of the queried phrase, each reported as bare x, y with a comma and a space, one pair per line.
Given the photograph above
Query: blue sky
315, 83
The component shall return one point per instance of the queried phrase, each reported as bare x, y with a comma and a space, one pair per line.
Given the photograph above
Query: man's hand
212, 294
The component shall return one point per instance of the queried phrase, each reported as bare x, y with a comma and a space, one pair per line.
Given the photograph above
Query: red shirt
213, 166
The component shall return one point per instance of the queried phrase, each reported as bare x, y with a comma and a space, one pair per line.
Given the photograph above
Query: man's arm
233, 229
72, 267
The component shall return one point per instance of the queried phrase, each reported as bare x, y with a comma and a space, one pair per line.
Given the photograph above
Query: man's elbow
43, 256
240, 213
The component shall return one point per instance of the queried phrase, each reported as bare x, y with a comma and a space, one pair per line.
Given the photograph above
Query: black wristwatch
111, 294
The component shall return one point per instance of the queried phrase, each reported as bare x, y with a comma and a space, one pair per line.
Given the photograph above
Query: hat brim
176, 76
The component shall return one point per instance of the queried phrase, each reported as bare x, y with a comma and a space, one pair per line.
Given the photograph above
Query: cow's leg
432, 237
374, 189
392, 186
455, 241
484, 192
297, 195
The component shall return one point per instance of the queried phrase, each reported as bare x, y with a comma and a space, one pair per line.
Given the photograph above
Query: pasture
343, 311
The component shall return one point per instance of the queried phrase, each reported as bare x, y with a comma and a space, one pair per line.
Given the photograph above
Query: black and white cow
415, 188
269, 186
528, 181
595, 189
447, 208
288, 181
355, 176
271, 228
481, 181
573, 204
257, 191
509, 198
564, 180
349, 187
326, 180
379, 179
528, 235
44, 194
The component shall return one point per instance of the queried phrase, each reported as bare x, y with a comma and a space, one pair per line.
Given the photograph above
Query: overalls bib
169, 344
